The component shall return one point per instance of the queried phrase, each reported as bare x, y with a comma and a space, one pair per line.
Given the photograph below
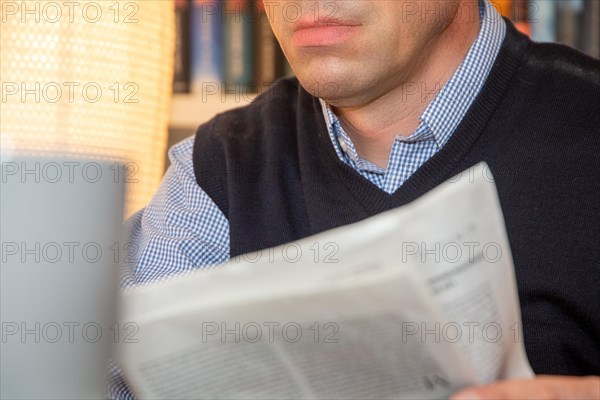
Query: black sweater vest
272, 170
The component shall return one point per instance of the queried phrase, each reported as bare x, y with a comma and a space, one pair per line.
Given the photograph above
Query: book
206, 42
416, 302
282, 66
237, 45
504, 7
181, 76
578, 7
543, 26
522, 15
266, 50
566, 29
591, 28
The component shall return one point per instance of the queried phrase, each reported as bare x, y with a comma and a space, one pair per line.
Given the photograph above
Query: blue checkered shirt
182, 229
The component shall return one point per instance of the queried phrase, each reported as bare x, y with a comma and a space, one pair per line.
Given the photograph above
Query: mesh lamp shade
90, 78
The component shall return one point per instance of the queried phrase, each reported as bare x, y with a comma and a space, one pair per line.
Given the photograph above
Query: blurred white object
60, 233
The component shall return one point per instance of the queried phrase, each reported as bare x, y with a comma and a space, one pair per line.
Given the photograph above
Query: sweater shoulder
563, 69
247, 124
246, 138
563, 60
562, 87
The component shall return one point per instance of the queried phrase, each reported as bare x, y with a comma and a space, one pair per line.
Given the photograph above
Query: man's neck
374, 126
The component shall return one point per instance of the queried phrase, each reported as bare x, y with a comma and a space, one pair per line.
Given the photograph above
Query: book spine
566, 23
504, 7
521, 16
579, 17
282, 66
206, 43
288, 71
237, 45
265, 45
181, 77
543, 26
592, 28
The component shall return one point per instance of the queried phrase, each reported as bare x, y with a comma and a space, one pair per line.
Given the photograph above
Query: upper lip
309, 23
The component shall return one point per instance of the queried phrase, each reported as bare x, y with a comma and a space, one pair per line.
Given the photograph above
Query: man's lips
324, 32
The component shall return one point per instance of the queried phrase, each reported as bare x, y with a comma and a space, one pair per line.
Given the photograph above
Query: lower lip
322, 35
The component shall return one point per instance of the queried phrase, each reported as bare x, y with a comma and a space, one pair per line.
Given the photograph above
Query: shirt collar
443, 115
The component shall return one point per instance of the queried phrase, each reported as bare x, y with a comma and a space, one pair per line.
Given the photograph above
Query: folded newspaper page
417, 302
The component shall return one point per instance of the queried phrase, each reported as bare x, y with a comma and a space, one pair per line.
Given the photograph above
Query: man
389, 103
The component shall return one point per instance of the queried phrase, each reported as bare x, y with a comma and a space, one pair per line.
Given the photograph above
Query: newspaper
416, 302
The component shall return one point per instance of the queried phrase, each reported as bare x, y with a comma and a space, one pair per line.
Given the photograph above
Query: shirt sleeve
181, 229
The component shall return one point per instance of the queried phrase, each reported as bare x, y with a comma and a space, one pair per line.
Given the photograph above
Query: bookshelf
223, 49
188, 111
575, 23
230, 43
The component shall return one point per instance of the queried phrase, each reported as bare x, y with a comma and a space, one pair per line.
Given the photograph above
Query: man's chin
332, 88
337, 93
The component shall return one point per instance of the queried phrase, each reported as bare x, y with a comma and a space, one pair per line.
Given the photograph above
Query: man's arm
180, 230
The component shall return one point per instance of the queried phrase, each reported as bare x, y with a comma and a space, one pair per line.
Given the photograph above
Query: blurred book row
575, 23
225, 45
228, 45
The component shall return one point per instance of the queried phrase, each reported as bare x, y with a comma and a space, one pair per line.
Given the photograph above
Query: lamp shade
90, 78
